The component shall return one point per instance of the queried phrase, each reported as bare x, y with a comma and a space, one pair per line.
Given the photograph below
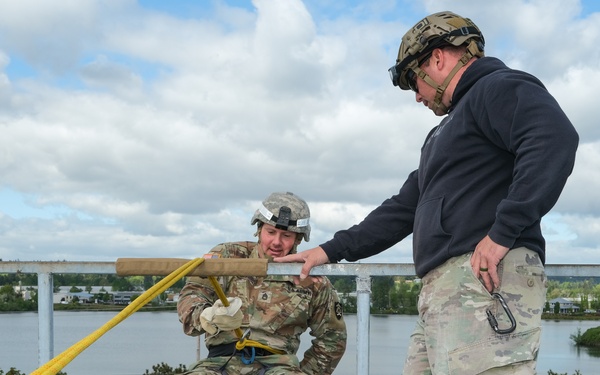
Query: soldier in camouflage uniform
273, 308
488, 173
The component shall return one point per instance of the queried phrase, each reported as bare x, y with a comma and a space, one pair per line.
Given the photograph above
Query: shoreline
117, 308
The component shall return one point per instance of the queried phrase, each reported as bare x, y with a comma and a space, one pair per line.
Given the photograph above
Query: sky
155, 128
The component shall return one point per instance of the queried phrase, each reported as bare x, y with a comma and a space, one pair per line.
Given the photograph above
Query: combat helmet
435, 31
285, 211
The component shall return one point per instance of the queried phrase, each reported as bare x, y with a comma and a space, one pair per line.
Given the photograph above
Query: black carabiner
492, 319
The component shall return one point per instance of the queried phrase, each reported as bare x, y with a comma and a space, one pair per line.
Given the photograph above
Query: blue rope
250, 360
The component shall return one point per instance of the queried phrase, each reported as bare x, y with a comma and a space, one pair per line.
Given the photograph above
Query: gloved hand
220, 318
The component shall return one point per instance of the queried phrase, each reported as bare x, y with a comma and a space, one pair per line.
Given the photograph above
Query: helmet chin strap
438, 106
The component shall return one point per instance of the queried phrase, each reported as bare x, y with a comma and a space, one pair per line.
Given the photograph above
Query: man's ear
437, 58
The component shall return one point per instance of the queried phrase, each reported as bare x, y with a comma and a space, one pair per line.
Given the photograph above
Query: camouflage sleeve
196, 295
329, 329
198, 292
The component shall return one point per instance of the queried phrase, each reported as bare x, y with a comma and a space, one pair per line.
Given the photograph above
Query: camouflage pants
269, 365
453, 335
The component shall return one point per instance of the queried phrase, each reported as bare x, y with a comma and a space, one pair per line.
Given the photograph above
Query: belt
226, 350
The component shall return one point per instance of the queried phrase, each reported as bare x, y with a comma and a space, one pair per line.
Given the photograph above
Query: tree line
389, 294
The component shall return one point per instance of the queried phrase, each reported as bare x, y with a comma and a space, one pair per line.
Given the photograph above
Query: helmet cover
285, 211
434, 31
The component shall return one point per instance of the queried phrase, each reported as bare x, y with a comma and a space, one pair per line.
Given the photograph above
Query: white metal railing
362, 271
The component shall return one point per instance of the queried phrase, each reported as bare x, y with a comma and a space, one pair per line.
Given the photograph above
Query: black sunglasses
411, 76
411, 79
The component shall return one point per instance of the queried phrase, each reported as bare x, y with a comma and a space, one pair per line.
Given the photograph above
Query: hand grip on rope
243, 341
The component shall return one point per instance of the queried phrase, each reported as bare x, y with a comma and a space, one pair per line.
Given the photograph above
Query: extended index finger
290, 258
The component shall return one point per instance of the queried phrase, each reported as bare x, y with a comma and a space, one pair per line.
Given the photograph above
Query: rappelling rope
56, 364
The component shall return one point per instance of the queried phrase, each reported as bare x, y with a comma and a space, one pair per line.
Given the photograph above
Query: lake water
149, 338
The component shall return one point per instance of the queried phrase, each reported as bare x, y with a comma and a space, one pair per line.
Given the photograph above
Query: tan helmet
434, 31
285, 211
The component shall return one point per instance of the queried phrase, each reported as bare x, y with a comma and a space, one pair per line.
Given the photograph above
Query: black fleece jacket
494, 166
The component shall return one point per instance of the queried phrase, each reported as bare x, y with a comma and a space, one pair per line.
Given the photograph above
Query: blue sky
153, 128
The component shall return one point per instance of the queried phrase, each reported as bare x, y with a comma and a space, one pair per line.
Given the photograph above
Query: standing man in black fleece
488, 172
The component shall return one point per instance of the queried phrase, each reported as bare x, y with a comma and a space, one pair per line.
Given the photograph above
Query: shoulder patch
211, 256
338, 310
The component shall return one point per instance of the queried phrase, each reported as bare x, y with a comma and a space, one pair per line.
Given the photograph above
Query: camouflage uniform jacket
275, 309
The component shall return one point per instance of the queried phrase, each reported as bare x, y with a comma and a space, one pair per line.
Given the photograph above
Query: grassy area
579, 316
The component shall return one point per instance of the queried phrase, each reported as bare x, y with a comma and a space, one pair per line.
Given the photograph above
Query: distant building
64, 295
124, 298
24, 291
93, 289
172, 298
565, 306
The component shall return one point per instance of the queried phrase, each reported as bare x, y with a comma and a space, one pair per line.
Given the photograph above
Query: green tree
8, 294
584, 302
164, 369
13, 301
344, 285
14, 371
408, 292
591, 337
380, 293
75, 289
349, 304
122, 284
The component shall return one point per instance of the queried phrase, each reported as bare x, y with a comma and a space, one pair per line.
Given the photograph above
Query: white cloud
574, 89
48, 36
158, 135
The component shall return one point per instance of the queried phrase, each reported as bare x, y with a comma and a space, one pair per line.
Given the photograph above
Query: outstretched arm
385, 226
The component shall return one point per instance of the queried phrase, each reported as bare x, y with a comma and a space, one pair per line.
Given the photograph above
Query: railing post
363, 313
198, 347
46, 318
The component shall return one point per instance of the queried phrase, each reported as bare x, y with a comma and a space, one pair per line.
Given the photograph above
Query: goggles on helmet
283, 220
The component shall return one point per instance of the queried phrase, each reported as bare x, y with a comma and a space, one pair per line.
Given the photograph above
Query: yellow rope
57, 363
242, 342
60, 361
223, 298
